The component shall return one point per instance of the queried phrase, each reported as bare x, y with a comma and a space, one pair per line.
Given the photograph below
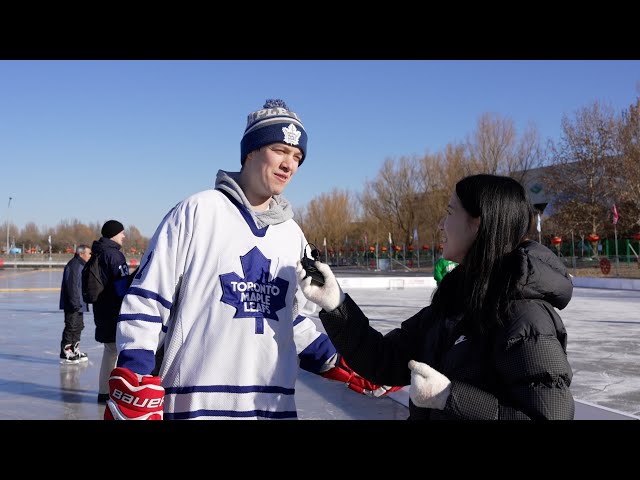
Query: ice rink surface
603, 330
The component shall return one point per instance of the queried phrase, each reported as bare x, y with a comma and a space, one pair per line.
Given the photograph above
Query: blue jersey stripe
123, 317
316, 354
230, 389
230, 413
141, 292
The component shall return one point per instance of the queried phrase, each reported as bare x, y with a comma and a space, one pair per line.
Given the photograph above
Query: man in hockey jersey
216, 293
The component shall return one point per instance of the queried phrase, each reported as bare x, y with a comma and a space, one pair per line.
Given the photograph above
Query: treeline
592, 166
65, 236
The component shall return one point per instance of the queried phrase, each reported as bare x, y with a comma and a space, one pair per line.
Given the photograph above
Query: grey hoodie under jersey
279, 211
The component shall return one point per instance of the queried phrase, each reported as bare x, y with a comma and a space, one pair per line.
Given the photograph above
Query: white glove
429, 388
329, 296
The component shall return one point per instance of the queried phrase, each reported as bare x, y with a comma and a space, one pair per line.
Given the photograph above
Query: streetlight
8, 206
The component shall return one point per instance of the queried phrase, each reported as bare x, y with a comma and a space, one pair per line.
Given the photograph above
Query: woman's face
458, 230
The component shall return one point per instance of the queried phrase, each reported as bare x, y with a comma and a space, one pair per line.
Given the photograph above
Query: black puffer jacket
113, 265
517, 371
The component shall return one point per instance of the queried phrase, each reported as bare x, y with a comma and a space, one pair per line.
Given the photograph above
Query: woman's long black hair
482, 284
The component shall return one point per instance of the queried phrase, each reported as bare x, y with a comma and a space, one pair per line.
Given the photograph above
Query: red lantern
352, 249
636, 236
594, 237
556, 240
372, 249
440, 247
411, 248
425, 247
397, 248
362, 249
384, 249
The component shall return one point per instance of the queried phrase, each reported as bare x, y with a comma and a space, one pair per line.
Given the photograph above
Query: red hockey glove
343, 373
133, 396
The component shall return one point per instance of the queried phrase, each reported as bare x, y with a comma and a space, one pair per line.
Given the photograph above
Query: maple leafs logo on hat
274, 123
291, 134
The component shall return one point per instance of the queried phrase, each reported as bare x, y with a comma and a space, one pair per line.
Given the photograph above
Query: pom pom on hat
275, 123
111, 228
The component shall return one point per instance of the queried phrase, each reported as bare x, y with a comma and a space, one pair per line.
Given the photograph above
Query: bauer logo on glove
135, 401
133, 396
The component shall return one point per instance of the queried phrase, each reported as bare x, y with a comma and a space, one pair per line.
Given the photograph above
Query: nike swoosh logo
460, 339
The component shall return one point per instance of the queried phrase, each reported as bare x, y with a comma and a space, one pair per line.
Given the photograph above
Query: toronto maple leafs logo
291, 134
254, 295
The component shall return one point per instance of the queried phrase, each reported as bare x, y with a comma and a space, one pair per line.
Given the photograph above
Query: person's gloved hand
329, 296
133, 396
429, 388
344, 373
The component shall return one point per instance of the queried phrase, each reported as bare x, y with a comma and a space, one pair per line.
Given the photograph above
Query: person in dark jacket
73, 306
491, 345
115, 272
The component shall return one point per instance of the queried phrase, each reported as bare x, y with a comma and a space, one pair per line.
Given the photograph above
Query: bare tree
135, 240
329, 216
528, 155
629, 138
30, 236
389, 199
491, 145
495, 148
585, 155
437, 176
300, 215
68, 234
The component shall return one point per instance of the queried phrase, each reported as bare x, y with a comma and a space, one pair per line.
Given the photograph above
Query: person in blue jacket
73, 306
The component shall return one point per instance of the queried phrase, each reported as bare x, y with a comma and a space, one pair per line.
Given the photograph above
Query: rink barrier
429, 282
607, 283
390, 283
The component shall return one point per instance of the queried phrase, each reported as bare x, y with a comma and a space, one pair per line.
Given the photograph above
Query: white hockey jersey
220, 296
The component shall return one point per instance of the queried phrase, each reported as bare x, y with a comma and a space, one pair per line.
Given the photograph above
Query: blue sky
98, 139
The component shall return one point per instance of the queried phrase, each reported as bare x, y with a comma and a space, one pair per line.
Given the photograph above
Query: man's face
267, 171
119, 238
86, 255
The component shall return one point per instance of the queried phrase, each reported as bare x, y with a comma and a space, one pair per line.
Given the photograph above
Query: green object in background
441, 268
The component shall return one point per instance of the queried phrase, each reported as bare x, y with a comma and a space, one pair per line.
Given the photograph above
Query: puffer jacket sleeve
532, 365
382, 359
74, 287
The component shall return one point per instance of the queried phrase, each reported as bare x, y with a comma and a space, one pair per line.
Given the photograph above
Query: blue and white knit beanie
275, 123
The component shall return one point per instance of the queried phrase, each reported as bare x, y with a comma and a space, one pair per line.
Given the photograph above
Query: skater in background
74, 307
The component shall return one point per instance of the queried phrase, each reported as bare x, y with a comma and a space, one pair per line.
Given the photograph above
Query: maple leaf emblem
291, 134
254, 295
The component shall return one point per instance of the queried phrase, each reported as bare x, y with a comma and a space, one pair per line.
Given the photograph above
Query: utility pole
8, 209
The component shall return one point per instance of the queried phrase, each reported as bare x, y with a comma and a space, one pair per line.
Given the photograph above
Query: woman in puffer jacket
491, 344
